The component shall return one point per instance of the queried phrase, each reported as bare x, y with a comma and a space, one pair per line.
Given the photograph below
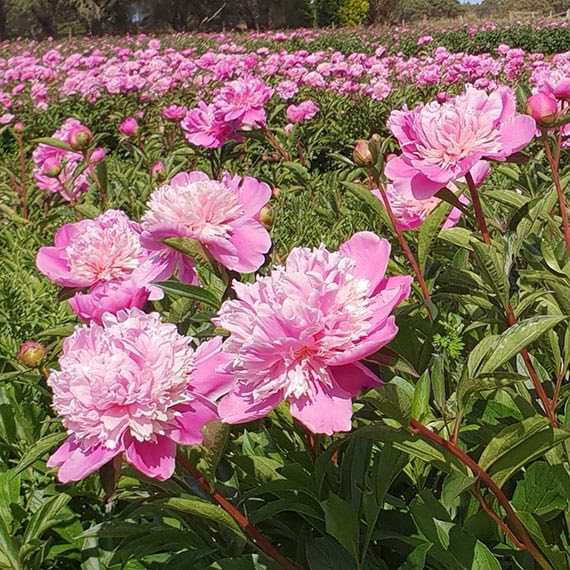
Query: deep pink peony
304, 111
223, 216
299, 333
243, 102
133, 387
57, 170
129, 127
442, 142
174, 113
105, 258
205, 126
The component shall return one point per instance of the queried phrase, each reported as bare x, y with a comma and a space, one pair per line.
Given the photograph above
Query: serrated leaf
515, 338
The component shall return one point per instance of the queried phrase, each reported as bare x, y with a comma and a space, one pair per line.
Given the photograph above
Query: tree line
40, 18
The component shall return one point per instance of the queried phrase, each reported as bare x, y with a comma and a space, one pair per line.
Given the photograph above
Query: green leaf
102, 176
478, 354
88, 210
429, 230
420, 403
187, 291
484, 559
202, 509
455, 484
327, 554
45, 517
457, 236
38, 450
492, 269
507, 197
471, 385
9, 548
189, 247
518, 445
342, 523
53, 142
517, 337
247, 562
544, 488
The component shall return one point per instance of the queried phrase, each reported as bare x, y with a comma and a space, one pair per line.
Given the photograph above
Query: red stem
548, 409
403, 243
553, 161
478, 209
515, 524
244, 523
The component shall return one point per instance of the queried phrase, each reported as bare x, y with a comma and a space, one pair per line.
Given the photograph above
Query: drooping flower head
299, 333
442, 142
223, 216
105, 258
133, 387
57, 169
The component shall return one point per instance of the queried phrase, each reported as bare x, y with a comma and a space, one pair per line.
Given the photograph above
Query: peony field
286, 299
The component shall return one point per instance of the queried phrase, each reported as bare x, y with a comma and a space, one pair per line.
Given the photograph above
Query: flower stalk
478, 209
516, 527
252, 532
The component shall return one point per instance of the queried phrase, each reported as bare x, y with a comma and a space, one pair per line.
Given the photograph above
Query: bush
352, 12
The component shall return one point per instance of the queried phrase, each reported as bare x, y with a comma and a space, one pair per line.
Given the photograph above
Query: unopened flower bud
52, 168
80, 138
361, 153
266, 217
542, 107
19, 127
157, 170
31, 353
276, 192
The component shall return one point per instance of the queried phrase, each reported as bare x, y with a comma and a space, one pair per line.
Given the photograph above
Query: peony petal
371, 254
83, 462
239, 408
208, 378
186, 178
193, 417
328, 411
251, 241
375, 341
353, 378
156, 459
253, 195
62, 453
517, 134
51, 261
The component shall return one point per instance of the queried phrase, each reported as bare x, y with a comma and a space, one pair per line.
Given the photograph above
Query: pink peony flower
205, 126
299, 333
174, 113
104, 257
129, 127
542, 107
442, 142
243, 102
222, 216
302, 112
132, 387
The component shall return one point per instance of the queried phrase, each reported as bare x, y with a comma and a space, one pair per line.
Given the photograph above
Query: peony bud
266, 217
361, 153
80, 138
52, 167
157, 170
542, 107
562, 90
276, 192
19, 127
31, 353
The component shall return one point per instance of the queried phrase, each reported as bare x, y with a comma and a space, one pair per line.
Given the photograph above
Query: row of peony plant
36, 79
131, 387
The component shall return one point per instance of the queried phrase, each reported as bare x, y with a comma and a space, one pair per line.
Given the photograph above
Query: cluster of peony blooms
130, 386
66, 171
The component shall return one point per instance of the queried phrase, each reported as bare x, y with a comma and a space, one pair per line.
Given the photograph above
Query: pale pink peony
304, 111
174, 113
442, 142
132, 387
105, 258
299, 333
57, 170
223, 216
